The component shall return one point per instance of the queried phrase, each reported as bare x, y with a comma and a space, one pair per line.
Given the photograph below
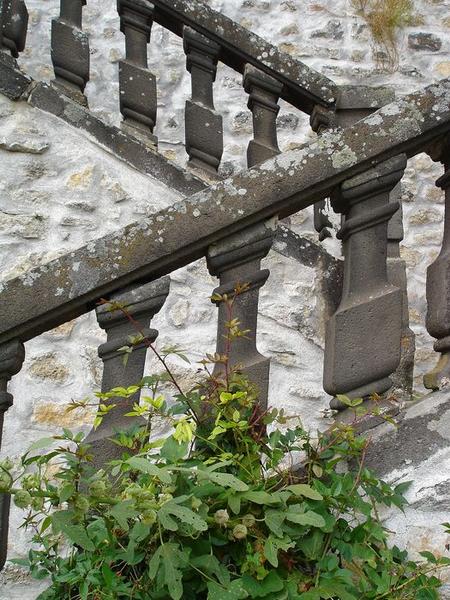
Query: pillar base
440, 375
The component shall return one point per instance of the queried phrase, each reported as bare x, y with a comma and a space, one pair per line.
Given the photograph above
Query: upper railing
232, 222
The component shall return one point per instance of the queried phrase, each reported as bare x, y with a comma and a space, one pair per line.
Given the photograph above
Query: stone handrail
302, 87
69, 286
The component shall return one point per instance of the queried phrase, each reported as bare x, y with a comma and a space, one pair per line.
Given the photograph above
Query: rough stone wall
60, 190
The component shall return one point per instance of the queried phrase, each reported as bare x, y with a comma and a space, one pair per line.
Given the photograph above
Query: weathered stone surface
48, 366
424, 41
240, 46
185, 230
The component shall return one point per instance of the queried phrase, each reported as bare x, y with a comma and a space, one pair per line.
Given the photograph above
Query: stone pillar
138, 94
402, 379
13, 34
264, 92
237, 260
363, 337
204, 129
353, 104
12, 355
70, 51
438, 288
141, 304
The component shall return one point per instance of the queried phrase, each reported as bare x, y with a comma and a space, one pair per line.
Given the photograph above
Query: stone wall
59, 190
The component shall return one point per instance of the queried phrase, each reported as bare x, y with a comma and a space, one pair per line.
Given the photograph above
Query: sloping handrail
303, 87
69, 286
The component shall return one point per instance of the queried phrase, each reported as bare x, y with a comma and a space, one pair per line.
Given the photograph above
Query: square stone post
13, 26
264, 92
237, 260
204, 128
438, 284
12, 355
138, 93
141, 305
70, 51
363, 337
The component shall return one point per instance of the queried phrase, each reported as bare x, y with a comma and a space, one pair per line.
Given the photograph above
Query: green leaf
146, 466
123, 511
66, 492
301, 489
167, 562
261, 497
234, 502
184, 514
234, 591
42, 443
172, 451
209, 564
225, 480
77, 534
305, 518
273, 545
274, 520
259, 589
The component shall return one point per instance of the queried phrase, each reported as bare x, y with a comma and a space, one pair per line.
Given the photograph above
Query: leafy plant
385, 18
216, 510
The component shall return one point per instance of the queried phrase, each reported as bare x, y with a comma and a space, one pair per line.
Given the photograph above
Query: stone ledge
423, 428
13, 82
129, 149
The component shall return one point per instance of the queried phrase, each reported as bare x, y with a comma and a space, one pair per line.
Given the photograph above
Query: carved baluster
14, 26
12, 355
204, 130
141, 304
402, 379
264, 92
438, 288
70, 50
237, 260
138, 94
363, 337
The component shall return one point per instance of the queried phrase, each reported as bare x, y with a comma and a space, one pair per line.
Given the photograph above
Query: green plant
216, 510
385, 18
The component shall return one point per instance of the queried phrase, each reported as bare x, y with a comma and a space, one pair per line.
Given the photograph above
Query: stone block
424, 41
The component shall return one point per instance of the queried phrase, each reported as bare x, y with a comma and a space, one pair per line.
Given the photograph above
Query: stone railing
232, 222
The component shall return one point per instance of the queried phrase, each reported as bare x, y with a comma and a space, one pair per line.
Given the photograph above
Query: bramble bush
216, 510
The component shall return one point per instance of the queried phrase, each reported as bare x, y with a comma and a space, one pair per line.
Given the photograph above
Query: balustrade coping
303, 87
69, 286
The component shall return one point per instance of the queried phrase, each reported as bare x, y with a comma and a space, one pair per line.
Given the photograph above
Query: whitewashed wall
59, 190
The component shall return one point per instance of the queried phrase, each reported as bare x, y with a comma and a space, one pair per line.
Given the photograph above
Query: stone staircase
364, 139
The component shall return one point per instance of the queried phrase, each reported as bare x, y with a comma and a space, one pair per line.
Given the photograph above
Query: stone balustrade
232, 223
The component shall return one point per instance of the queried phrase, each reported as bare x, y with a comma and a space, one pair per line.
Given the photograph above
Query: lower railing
232, 224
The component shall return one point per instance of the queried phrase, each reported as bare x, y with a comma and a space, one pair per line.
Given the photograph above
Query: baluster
70, 50
264, 92
354, 103
237, 260
204, 130
12, 355
141, 304
402, 379
138, 94
363, 337
438, 287
14, 26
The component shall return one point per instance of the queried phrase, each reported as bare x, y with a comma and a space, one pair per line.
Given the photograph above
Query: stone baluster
12, 355
237, 260
438, 287
264, 92
354, 103
141, 304
363, 337
14, 17
204, 130
402, 379
138, 94
70, 51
